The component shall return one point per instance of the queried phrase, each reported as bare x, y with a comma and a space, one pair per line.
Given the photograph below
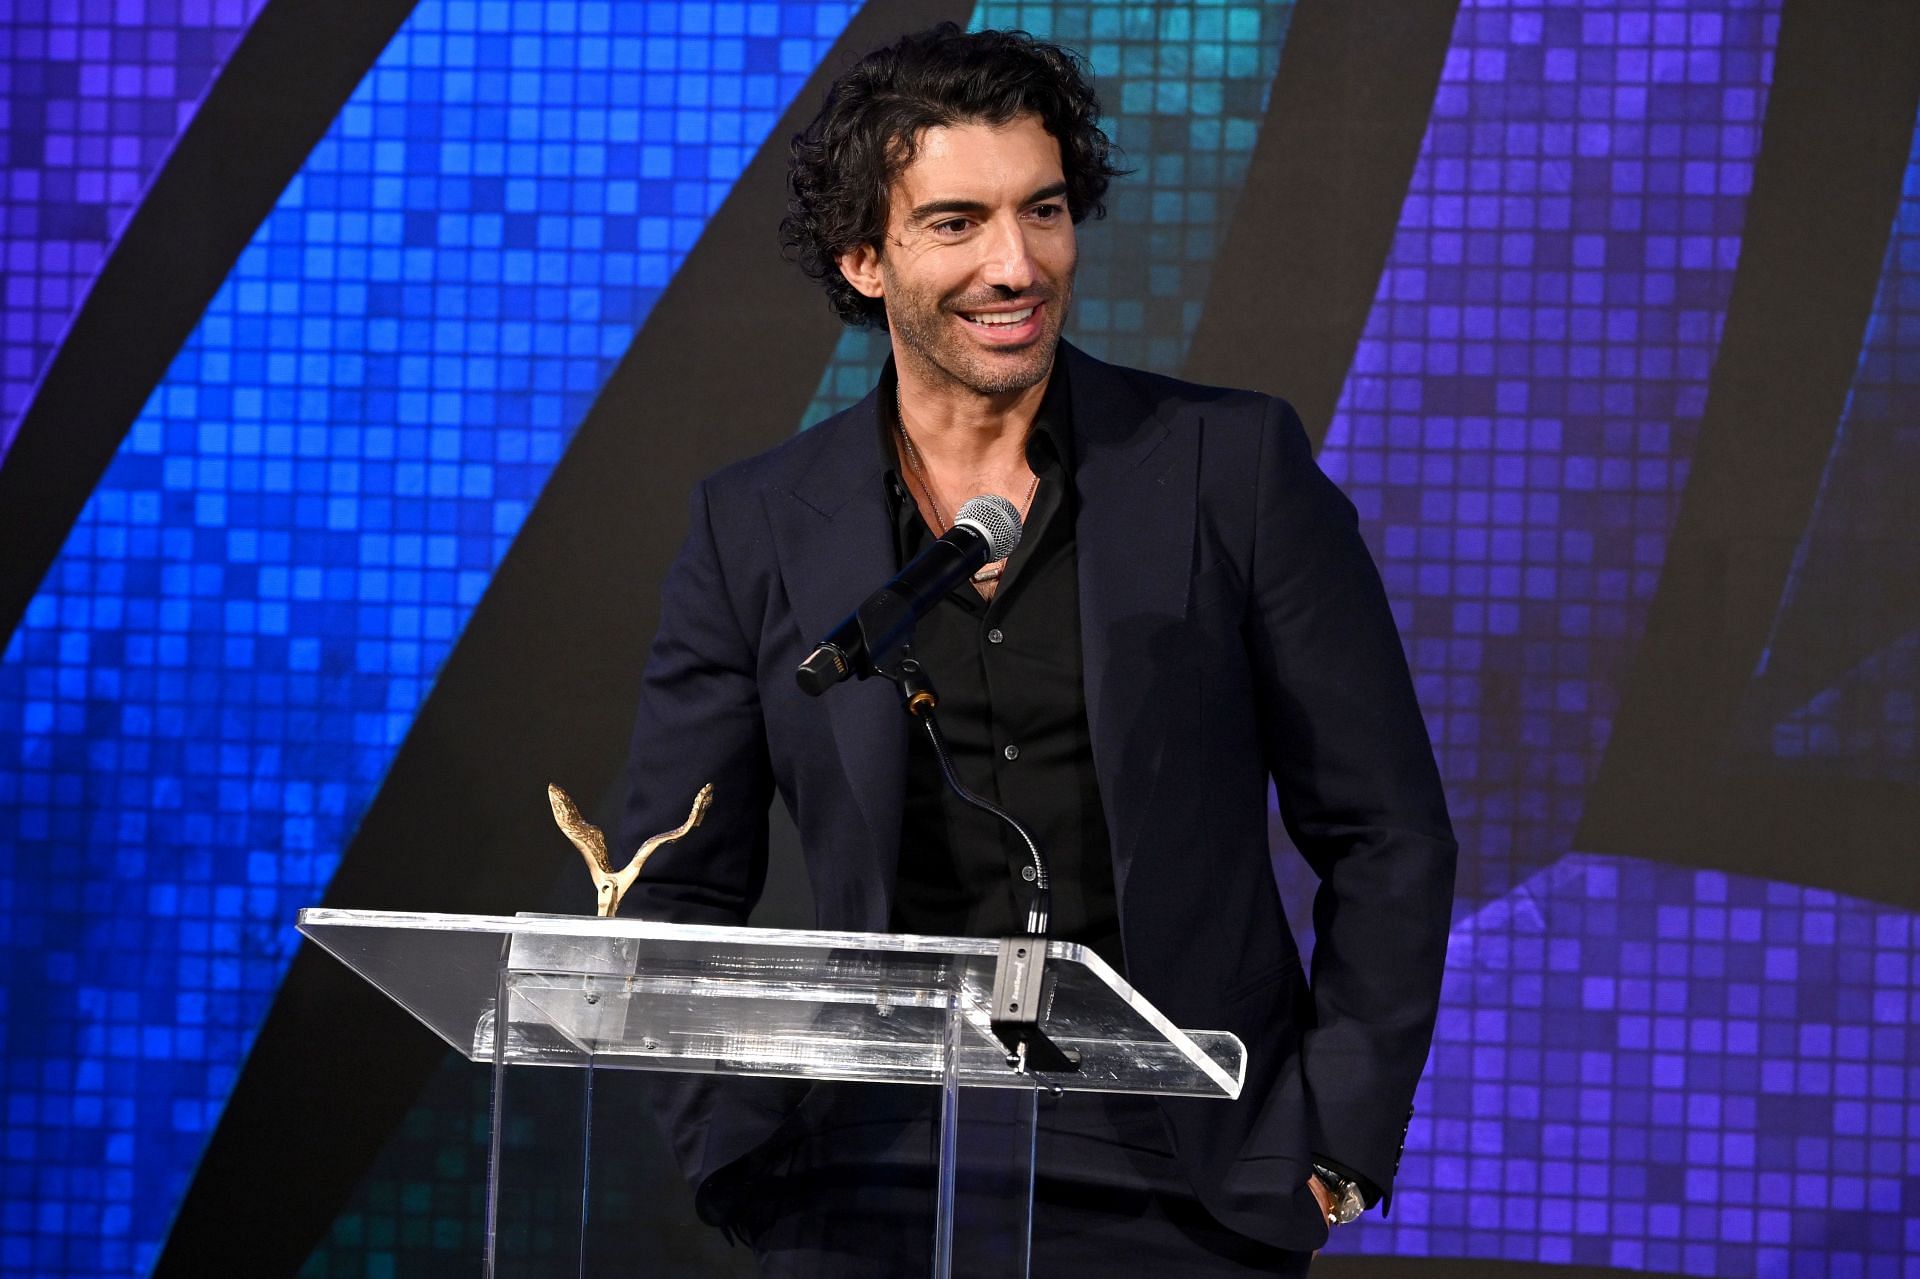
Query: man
1190, 613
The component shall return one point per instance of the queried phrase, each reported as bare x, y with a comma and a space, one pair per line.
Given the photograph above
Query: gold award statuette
611, 884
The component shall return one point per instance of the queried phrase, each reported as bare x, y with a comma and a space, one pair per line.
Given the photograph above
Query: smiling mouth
998, 319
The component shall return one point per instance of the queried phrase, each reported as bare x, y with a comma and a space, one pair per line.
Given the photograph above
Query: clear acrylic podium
592, 994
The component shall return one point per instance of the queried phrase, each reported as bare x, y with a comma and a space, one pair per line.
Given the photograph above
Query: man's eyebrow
935, 208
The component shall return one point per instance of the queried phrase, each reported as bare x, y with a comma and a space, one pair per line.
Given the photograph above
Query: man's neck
958, 429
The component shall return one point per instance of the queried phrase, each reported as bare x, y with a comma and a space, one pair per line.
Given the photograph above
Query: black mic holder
1020, 987
876, 638
869, 642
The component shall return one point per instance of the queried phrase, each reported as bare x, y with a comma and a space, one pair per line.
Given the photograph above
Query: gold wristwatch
1348, 1202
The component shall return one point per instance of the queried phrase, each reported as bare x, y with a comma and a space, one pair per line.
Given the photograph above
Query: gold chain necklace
988, 574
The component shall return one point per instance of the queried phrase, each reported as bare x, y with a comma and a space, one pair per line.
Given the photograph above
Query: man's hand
1321, 1195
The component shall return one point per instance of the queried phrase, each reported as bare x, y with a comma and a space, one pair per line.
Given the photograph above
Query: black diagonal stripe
1856, 585
541, 687
1847, 834
1299, 266
274, 100
1826, 186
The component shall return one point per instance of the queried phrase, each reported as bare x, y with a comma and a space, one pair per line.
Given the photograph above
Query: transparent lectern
590, 994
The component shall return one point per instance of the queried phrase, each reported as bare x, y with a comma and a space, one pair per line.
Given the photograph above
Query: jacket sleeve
1360, 796
700, 721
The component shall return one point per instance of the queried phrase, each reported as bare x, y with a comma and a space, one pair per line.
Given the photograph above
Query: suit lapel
1135, 488
834, 545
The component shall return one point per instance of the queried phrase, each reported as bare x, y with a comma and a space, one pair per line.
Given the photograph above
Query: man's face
977, 268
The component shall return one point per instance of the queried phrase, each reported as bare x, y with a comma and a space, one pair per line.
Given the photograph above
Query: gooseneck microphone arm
876, 639
1021, 990
916, 690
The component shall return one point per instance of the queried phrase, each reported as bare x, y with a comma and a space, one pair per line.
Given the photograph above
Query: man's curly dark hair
869, 129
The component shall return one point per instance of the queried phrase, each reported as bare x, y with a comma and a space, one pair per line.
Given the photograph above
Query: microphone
985, 530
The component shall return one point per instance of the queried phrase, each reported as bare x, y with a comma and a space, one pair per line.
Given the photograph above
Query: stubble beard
923, 328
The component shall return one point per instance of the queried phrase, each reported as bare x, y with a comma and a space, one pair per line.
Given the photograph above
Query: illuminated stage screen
1606, 315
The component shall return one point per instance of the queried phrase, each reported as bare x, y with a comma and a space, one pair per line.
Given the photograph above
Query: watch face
1351, 1204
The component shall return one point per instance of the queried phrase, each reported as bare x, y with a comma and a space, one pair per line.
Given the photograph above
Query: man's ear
861, 266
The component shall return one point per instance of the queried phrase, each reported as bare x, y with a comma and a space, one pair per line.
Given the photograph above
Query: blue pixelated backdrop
1645, 1060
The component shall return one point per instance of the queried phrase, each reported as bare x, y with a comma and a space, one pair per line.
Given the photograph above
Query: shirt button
994, 636
1012, 752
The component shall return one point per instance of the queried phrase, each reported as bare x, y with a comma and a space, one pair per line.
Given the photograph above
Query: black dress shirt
1013, 708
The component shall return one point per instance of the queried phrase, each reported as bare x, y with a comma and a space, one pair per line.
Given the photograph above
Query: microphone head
992, 517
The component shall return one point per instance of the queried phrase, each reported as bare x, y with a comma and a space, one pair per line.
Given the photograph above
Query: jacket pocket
1261, 982
1212, 589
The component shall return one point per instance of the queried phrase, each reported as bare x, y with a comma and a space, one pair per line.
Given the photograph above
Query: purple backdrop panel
94, 94
1649, 1067
1521, 410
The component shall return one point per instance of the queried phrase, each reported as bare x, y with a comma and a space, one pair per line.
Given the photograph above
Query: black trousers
849, 1192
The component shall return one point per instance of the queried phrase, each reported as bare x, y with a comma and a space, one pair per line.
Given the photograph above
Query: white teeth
1002, 318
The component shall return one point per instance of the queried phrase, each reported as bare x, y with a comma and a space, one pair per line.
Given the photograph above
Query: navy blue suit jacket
1233, 629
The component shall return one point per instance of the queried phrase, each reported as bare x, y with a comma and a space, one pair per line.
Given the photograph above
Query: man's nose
1009, 263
